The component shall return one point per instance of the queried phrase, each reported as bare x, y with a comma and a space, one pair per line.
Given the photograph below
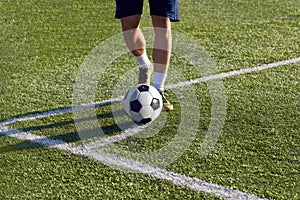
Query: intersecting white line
113, 160
132, 131
59, 111
119, 99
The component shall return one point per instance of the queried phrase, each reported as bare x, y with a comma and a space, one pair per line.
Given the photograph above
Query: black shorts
163, 8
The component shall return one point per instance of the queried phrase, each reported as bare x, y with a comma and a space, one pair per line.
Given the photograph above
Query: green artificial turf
43, 45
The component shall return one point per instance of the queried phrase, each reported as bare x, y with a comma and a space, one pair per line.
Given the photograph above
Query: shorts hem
171, 17
127, 15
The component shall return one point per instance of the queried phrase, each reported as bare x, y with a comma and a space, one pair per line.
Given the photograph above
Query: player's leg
136, 43
132, 35
129, 11
163, 12
162, 44
161, 54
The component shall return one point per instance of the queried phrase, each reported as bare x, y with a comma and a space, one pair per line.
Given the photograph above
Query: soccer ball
143, 103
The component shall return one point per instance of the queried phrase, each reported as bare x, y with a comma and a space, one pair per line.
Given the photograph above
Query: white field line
184, 83
132, 131
234, 73
59, 111
113, 160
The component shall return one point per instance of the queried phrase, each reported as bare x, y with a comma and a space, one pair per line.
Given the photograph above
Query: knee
130, 22
162, 26
161, 22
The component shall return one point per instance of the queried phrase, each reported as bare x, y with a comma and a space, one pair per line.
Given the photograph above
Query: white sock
143, 60
159, 80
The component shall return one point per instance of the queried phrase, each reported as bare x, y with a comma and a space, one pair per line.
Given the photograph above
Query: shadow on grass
65, 138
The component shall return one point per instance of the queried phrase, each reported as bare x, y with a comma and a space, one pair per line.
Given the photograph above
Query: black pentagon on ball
155, 104
143, 88
135, 106
145, 120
